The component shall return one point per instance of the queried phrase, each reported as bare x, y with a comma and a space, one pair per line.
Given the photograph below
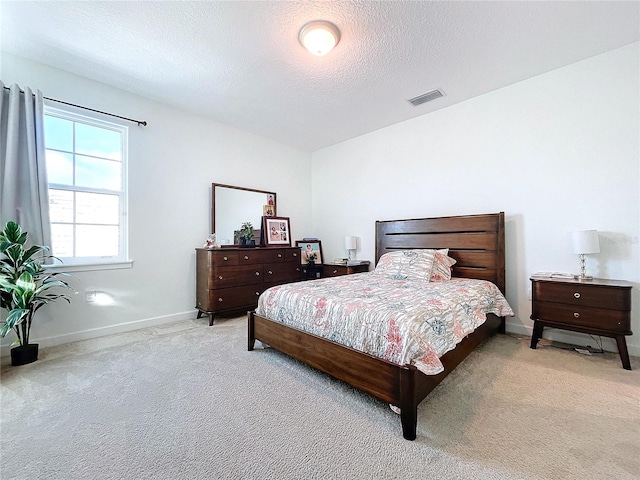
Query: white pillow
407, 264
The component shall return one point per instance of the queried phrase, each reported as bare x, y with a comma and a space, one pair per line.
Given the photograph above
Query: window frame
96, 262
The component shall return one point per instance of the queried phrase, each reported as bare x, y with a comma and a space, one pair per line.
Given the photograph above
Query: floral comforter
404, 322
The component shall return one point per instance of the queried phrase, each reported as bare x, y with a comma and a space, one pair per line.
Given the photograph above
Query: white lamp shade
319, 37
350, 243
585, 242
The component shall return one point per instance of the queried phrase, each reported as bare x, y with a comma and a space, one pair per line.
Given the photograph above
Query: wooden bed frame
475, 241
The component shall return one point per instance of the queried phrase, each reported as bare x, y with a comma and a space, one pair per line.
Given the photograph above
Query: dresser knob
225, 258
270, 272
576, 314
246, 257
257, 274
220, 299
279, 255
257, 294
335, 271
577, 295
220, 277
295, 254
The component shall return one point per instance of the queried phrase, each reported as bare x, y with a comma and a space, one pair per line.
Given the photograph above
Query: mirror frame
222, 185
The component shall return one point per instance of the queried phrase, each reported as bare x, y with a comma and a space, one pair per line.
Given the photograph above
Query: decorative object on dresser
275, 232
476, 242
310, 251
245, 235
211, 242
231, 279
596, 307
231, 206
585, 242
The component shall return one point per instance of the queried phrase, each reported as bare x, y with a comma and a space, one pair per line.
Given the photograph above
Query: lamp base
583, 277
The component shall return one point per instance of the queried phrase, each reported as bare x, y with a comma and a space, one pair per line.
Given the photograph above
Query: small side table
597, 307
311, 271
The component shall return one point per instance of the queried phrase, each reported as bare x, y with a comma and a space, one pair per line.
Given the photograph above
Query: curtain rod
139, 122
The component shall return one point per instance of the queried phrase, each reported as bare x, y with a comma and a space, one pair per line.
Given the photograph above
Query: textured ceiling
240, 63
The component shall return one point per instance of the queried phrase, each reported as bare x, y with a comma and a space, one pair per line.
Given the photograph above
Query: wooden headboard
475, 241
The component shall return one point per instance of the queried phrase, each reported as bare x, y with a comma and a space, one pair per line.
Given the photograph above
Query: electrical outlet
89, 296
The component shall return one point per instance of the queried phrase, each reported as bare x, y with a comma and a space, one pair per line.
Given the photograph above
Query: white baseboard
573, 338
564, 336
104, 331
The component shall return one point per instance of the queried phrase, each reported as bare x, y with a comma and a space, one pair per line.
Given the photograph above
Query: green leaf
15, 317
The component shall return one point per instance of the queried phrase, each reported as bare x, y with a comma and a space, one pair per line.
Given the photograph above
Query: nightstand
597, 307
333, 270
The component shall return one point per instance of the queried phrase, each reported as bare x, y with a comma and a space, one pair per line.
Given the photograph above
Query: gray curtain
24, 194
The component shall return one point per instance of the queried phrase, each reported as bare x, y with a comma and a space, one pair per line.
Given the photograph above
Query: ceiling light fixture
319, 37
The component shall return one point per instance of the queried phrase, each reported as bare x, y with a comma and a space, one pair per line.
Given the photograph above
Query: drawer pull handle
257, 294
577, 295
279, 255
257, 274
220, 277
576, 314
335, 271
295, 254
246, 257
270, 272
225, 258
220, 299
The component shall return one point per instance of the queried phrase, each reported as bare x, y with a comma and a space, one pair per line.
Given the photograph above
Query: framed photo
276, 231
311, 251
268, 210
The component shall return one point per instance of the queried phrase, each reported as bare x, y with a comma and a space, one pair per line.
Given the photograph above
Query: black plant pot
24, 354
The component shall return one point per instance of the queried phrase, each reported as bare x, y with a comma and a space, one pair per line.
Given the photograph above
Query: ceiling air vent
426, 97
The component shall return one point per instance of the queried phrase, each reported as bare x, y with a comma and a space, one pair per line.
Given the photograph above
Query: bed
476, 242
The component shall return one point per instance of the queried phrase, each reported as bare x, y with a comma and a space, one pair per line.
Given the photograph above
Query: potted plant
246, 235
25, 287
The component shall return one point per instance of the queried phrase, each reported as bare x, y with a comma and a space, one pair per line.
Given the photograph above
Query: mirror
232, 206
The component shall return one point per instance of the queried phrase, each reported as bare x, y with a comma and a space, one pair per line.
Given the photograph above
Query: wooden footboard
403, 386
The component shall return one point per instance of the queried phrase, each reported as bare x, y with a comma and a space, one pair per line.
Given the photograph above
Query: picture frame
310, 246
276, 231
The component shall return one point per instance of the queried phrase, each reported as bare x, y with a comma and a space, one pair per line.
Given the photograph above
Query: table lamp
585, 242
350, 245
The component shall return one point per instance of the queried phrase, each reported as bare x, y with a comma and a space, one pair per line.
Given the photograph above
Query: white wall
556, 152
172, 163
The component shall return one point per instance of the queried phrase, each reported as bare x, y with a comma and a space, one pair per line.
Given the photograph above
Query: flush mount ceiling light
319, 37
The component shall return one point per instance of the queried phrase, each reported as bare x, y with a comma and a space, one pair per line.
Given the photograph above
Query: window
86, 169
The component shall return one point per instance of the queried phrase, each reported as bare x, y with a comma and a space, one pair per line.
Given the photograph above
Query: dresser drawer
281, 272
235, 298
590, 317
208, 258
225, 277
282, 255
583, 295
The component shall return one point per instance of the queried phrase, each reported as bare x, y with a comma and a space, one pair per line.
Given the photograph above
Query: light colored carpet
189, 401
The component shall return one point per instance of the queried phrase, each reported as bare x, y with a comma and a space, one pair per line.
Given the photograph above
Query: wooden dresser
231, 279
596, 307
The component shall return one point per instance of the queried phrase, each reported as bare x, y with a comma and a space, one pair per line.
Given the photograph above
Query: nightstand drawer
335, 270
582, 295
590, 317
